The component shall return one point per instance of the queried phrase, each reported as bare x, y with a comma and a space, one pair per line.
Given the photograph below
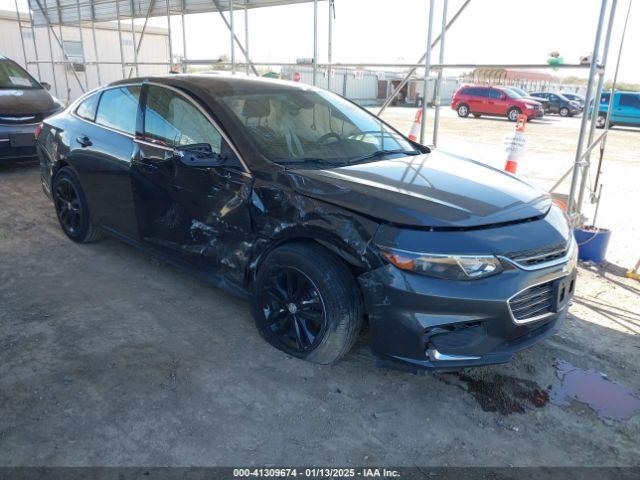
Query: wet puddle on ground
502, 393
505, 394
607, 398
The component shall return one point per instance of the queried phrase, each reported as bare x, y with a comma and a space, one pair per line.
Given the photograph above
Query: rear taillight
38, 130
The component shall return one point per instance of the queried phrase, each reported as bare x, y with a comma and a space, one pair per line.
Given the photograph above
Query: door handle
84, 141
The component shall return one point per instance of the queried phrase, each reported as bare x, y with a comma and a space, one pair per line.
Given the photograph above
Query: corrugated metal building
367, 87
154, 48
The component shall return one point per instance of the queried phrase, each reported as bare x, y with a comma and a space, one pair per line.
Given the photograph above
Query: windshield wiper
309, 161
381, 153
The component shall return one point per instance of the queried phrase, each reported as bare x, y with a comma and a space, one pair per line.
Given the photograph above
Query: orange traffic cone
415, 128
516, 145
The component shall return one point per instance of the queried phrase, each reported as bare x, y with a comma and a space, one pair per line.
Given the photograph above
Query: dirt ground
109, 357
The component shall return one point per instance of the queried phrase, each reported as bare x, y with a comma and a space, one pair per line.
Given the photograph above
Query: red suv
481, 100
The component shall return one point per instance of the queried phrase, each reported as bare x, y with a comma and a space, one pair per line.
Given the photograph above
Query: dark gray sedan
24, 103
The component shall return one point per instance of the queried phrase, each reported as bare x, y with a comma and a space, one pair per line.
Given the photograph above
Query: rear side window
604, 98
87, 109
172, 119
118, 109
630, 100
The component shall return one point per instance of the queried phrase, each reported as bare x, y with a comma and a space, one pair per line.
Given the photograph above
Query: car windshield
513, 93
312, 127
519, 91
13, 76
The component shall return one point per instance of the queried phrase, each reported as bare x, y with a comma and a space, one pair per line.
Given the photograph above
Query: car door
626, 109
476, 100
101, 148
497, 102
197, 214
554, 103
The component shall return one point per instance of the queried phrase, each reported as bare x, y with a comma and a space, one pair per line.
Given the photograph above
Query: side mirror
503, 96
199, 155
46, 85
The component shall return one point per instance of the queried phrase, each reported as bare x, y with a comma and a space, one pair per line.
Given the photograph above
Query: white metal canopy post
231, 38
169, 36
610, 106
24, 50
120, 37
35, 47
246, 36
436, 116
84, 57
315, 42
330, 41
235, 37
427, 69
594, 114
587, 102
405, 80
144, 29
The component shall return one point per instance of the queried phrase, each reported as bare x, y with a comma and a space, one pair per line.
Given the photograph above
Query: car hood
25, 101
435, 190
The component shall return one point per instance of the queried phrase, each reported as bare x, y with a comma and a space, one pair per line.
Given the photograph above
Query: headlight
448, 267
531, 106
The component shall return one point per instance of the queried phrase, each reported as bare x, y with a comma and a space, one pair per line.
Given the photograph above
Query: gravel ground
109, 357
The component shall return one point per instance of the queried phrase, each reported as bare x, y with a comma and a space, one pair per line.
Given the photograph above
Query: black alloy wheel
293, 309
306, 302
67, 201
71, 207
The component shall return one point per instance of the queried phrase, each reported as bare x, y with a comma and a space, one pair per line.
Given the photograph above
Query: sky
488, 31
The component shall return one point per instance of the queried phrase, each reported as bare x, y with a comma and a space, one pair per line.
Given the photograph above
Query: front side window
311, 126
630, 100
493, 93
118, 109
87, 109
13, 76
173, 120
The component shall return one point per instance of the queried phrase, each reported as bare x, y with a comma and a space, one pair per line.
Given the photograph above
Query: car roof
221, 83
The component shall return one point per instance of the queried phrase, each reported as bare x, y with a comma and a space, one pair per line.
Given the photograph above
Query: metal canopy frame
49, 13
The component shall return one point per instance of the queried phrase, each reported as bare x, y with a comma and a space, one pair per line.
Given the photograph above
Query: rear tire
463, 110
72, 208
306, 303
513, 113
564, 112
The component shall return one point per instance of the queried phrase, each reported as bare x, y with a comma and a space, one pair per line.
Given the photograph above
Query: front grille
537, 256
532, 302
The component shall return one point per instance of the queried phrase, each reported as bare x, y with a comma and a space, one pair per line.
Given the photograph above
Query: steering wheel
329, 135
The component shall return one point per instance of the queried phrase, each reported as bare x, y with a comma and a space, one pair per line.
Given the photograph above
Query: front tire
564, 112
306, 303
512, 114
601, 121
71, 207
463, 110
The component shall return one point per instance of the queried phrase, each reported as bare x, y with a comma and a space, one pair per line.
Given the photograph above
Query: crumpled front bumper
427, 322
